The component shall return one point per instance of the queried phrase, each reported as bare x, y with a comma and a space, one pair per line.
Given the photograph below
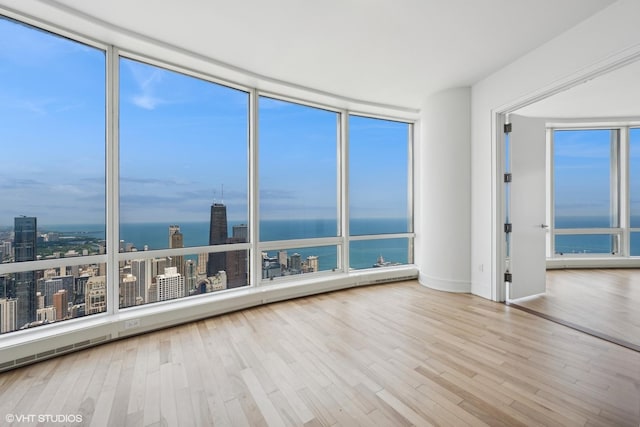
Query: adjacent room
591, 187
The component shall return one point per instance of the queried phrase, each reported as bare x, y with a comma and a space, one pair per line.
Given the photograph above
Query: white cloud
147, 79
146, 101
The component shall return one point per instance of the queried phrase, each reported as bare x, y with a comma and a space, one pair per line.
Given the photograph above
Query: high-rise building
237, 263
236, 268
7, 250
202, 264
8, 311
95, 295
128, 294
217, 236
312, 264
158, 265
25, 249
295, 263
176, 241
170, 285
283, 258
40, 300
46, 315
61, 304
241, 232
5, 281
51, 286
79, 289
190, 276
141, 270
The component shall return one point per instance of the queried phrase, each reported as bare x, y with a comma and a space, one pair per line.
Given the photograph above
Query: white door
527, 263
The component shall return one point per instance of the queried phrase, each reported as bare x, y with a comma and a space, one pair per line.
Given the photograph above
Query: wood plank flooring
388, 355
605, 301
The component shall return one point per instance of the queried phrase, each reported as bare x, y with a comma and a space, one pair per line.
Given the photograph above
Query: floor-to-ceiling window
298, 188
596, 191
183, 184
132, 181
586, 210
52, 179
379, 188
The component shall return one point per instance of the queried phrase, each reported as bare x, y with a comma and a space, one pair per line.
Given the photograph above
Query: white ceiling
394, 52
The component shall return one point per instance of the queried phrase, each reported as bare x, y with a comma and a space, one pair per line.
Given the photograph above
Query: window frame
619, 193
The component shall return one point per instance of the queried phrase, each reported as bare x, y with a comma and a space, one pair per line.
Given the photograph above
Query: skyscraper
241, 231
237, 263
61, 304
8, 313
170, 285
25, 249
175, 241
96, 295
141, 270
217, 236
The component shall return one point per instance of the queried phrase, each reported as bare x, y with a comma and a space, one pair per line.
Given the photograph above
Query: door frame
498, 119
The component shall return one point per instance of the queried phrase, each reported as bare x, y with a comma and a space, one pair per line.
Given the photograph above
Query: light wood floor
389, 355
606, 301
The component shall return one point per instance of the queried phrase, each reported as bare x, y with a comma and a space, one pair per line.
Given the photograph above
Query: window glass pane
183, 158
379, 253
52, 132
635, 244
378, 176
634, 176
295, 261
583, 179
40, 297
148, 280
298, 171
567, 244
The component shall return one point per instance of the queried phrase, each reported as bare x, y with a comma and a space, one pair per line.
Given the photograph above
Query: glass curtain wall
177, 171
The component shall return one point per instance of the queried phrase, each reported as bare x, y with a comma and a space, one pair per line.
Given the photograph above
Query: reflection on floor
604, 302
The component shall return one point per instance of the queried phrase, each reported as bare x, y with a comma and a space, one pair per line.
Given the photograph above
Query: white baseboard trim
448, 285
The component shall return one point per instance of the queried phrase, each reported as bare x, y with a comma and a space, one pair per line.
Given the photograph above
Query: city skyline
39, 297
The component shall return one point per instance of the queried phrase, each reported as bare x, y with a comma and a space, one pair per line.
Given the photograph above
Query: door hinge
507, 128
508, 277
507, 177
508, 227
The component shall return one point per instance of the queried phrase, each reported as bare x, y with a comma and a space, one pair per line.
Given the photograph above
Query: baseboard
448, 285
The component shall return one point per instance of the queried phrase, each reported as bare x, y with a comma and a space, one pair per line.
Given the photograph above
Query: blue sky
182, 140
582, 172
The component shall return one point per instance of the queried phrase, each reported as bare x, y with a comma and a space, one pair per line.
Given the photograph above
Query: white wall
600, 42
443, 202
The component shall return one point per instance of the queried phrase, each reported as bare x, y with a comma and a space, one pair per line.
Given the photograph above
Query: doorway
592, 266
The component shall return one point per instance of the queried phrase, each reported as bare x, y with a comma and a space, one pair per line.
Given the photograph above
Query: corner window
379, 191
